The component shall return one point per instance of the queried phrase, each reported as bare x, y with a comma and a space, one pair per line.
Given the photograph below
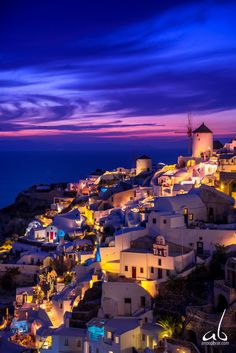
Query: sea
21, 169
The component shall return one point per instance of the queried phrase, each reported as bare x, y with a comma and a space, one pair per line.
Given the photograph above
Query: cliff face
15, 218
34, 201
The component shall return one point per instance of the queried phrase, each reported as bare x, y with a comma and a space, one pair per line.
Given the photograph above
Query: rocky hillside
14, 218
32, 202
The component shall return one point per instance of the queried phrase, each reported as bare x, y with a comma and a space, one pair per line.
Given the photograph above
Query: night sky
114, 72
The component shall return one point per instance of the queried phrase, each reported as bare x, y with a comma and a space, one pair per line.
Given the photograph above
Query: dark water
19, 170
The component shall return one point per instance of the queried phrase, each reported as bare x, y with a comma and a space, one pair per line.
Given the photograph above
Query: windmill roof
143, 157
202, 129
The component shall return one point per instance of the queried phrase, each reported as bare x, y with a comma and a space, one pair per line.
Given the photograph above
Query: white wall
175, 205
58, 344
181, 262
148, 260
164, 221
210, 237
202, 142
128, 340
109, 253
39, 233
72, 344
143, 165
145, 261
122, 241
113, 294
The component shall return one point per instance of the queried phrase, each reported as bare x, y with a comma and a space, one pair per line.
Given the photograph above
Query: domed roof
202, 129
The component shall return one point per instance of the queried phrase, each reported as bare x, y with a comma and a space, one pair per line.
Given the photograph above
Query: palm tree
171, 325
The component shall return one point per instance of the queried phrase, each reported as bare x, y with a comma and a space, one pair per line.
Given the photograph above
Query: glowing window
117, 339
109, 334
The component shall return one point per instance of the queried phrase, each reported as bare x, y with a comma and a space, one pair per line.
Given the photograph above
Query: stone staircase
51, 316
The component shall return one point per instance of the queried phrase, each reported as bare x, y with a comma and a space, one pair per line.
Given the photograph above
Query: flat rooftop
174, 249
112, 277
